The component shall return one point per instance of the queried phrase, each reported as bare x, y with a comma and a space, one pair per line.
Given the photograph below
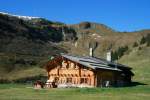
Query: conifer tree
143, 40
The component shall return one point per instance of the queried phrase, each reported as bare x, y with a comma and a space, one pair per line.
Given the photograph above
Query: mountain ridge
20, 17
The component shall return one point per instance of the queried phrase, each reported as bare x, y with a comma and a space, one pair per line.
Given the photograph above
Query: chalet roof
97, 63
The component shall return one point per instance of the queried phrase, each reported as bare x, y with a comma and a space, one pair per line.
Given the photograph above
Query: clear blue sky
121, 15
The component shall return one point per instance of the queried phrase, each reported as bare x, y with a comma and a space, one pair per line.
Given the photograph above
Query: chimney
91, 52
108, 56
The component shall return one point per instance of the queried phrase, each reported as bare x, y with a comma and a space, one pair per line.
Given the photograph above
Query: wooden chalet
76, 71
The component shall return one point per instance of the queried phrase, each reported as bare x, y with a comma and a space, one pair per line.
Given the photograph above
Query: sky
121, 15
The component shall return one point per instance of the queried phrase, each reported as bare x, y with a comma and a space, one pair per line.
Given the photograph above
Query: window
84, 80
69, 80
56, 79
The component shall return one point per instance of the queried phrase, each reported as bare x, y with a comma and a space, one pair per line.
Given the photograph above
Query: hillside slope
140, 62
25, 44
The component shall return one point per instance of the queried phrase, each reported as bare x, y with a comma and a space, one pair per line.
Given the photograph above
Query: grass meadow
26, 92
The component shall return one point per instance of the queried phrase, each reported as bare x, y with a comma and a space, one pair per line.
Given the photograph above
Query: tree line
119, 52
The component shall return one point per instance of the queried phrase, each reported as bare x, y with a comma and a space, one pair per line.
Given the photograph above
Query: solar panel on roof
93, 62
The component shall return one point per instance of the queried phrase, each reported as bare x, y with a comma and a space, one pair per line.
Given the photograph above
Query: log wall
74, 74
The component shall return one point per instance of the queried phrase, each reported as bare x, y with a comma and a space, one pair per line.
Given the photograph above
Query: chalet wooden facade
74, 71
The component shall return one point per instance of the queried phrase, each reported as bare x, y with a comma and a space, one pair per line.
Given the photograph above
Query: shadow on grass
136, 84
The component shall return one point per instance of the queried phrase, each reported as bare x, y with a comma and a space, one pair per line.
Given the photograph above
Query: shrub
135, 44
140, 48
4, 81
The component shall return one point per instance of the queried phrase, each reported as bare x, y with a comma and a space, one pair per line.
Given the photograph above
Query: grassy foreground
26, 92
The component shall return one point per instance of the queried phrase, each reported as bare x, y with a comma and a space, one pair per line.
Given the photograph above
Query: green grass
26, 92
30, 72
16, 74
